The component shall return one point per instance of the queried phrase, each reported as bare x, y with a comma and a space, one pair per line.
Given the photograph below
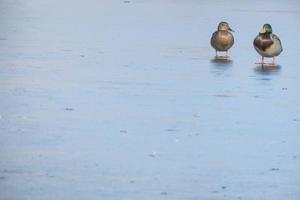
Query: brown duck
222, 39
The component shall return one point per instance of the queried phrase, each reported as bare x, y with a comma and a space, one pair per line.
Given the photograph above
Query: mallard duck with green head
267, 44
222, 39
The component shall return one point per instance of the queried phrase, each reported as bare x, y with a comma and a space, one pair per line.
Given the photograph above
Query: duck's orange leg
273, 61
262, 62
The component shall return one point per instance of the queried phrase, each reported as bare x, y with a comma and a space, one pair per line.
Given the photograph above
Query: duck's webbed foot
222, 56
262, 62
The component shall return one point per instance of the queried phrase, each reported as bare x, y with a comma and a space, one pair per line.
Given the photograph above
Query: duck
222, 39
267, 44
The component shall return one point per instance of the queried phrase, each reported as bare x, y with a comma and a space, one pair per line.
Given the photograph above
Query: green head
267, 28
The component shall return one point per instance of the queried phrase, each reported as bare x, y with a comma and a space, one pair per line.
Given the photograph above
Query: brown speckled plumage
222, 39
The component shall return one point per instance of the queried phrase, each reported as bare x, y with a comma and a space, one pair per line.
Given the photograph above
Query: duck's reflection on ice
267, 69
221, 60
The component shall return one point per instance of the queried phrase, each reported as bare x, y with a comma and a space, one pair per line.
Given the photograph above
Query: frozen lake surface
121, 100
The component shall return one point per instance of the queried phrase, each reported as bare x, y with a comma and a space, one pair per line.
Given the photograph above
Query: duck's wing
213, 38
263, 41
275, 37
